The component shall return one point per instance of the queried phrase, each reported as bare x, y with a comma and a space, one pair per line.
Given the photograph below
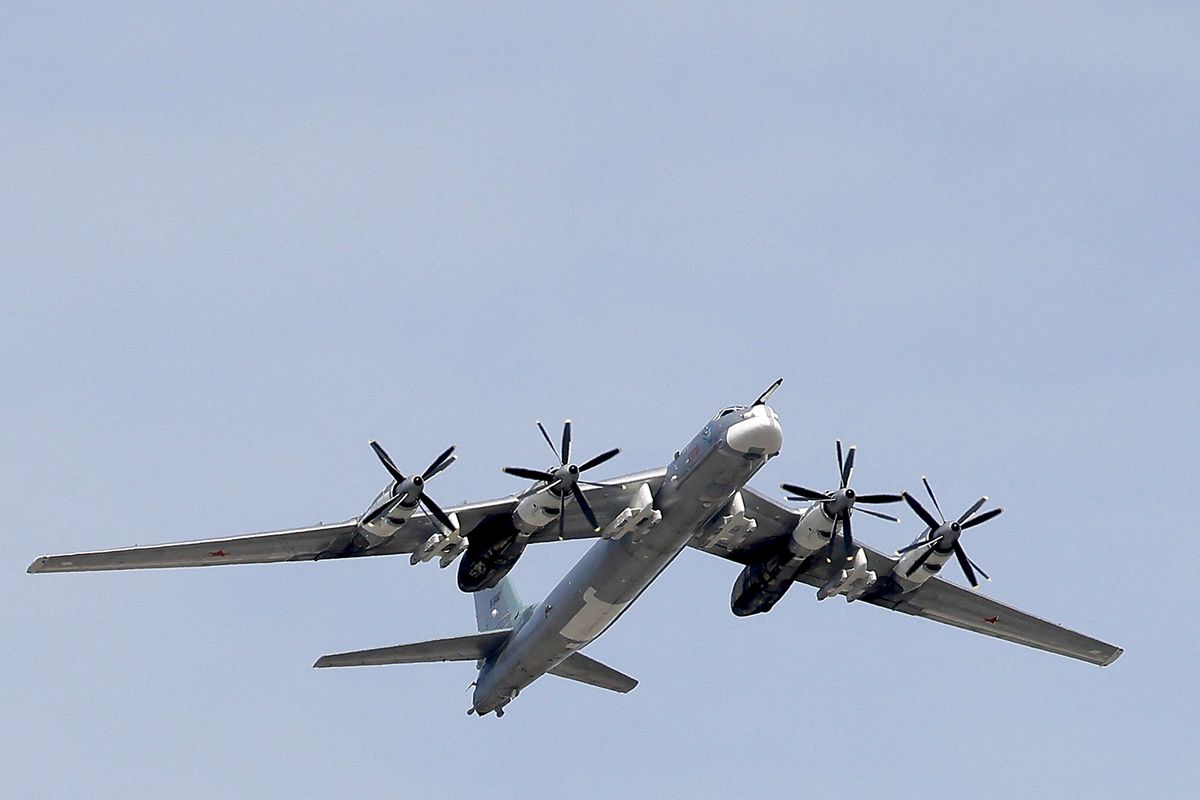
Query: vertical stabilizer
497, 608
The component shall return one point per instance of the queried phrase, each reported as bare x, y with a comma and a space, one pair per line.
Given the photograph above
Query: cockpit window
727, 410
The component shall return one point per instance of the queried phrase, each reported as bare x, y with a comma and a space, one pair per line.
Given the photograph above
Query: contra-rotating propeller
413, 485
840, 503
946, 534
565, 478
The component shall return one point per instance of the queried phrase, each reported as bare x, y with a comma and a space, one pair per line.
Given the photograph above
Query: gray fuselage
701, 479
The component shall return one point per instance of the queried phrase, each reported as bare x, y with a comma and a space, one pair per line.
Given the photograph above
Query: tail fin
497, 608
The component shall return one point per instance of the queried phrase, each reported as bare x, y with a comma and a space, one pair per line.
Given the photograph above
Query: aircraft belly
591, 619
612, 575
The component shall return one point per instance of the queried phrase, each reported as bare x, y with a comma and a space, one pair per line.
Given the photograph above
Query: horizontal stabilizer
460, 648
578, 667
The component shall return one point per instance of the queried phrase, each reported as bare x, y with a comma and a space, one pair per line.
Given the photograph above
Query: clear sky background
237, 243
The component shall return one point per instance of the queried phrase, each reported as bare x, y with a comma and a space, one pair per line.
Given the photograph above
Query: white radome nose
758, 432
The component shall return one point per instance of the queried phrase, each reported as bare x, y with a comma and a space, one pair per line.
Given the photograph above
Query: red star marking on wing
218, 554
991, 620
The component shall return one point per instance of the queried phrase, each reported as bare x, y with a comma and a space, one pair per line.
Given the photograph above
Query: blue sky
237, 244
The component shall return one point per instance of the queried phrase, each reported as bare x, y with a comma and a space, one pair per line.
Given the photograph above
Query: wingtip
1116, 654
37, 566
321, 662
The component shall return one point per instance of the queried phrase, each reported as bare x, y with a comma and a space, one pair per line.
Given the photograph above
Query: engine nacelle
536, 511
493, 550
932, 566
812, 532
761, 585
401, 500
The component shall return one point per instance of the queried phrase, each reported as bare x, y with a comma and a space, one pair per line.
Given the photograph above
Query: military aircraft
641, 521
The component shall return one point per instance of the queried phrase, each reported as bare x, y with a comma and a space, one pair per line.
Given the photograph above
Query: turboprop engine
821, 527
396, 504
830, 513
539, 508
929, 553
498, 541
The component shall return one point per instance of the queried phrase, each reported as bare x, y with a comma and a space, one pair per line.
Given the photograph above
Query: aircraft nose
758, 432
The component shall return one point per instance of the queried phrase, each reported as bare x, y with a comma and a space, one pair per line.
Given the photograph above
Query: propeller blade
877, 499
847, 534
377, 513
920, 511
888, 517
833, 534
762, 398
982, 518
916, 565
436, 510
848, 470
965, 563
387, 462
546, 436
915, 545
531, 474
566, 442
562, 513
978, 504
596, 461
841, 464
929, 489
440, 463
584, 506
805, 494
594, 483
979, 569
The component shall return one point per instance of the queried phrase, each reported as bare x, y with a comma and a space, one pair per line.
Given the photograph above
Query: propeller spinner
841, 503
565, 479
943, 537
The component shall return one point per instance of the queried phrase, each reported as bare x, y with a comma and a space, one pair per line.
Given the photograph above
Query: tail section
578, 667
497, 608
460, 648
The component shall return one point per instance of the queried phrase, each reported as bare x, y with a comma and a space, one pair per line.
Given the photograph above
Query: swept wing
340, 540
937, 599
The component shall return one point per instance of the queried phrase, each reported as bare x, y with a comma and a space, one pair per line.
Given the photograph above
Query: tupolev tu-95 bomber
641, 522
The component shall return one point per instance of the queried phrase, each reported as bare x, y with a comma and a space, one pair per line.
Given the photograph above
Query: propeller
841, 503
943, 533
565, 479
416, 483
